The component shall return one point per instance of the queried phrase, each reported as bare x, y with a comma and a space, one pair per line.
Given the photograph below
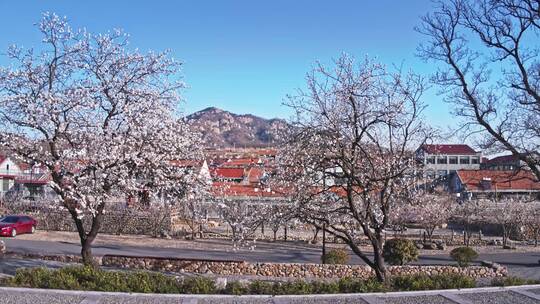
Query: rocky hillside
225, 129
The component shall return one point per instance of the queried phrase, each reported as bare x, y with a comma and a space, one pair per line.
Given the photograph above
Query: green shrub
513, 281
463, 255
236, 288
292, 288
350, 285
400, 251
336, 256
199, 286
427, 282
87, 278
325, 287
261, 288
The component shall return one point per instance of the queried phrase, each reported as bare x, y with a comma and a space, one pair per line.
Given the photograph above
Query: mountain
222, 129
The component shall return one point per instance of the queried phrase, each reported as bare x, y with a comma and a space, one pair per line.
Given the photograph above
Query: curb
451, 294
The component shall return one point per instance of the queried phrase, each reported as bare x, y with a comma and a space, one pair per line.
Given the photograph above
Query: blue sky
244, 56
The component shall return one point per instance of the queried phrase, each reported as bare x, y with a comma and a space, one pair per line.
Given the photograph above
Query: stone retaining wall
290, 270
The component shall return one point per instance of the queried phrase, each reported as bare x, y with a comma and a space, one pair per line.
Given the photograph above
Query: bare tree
349, 158
490, 70
101, 118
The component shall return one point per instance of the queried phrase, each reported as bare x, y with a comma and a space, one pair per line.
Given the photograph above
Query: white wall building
443, 160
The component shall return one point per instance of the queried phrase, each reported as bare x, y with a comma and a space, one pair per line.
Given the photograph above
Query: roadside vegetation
89, 278
513, 281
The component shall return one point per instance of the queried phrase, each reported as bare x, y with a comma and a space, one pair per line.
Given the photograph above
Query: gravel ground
417, 300
37, 298
500, 297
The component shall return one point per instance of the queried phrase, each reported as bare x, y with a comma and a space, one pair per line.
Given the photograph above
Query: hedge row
88, 278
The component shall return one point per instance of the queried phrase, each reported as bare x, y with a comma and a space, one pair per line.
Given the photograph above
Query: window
442, 160
464, 160
431, 159
452, 160
10, 219
474, 160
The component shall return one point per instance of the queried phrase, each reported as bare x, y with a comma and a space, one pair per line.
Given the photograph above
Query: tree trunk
380, 268
315, 235
275, 235
201, 232
86, 238
430, 233
466, 236
505, 237
86, 252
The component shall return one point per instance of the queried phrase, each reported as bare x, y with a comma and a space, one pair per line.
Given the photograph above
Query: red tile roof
242, 162
448, 149
236, 173
500, 180
502, 159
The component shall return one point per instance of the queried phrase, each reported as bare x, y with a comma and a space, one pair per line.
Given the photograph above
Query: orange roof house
233, 174
235, 190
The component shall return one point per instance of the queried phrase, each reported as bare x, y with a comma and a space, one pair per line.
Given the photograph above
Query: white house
21, 179
9, 170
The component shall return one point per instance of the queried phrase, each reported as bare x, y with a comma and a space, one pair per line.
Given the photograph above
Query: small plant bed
513, 281
93, 279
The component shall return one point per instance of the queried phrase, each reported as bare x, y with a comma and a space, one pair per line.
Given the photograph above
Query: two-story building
9, 170
22, 180
444, 159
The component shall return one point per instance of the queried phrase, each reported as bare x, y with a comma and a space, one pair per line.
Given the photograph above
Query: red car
12, 225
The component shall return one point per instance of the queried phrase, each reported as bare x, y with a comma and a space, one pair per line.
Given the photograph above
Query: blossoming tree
430, 210
349, 159
103, 119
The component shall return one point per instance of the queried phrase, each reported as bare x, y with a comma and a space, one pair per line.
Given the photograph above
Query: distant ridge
223, 129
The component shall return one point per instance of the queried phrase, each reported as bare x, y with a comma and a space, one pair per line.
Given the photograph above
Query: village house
22, 180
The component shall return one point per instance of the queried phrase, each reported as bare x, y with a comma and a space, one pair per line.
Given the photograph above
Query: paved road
264, 252
511, 295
